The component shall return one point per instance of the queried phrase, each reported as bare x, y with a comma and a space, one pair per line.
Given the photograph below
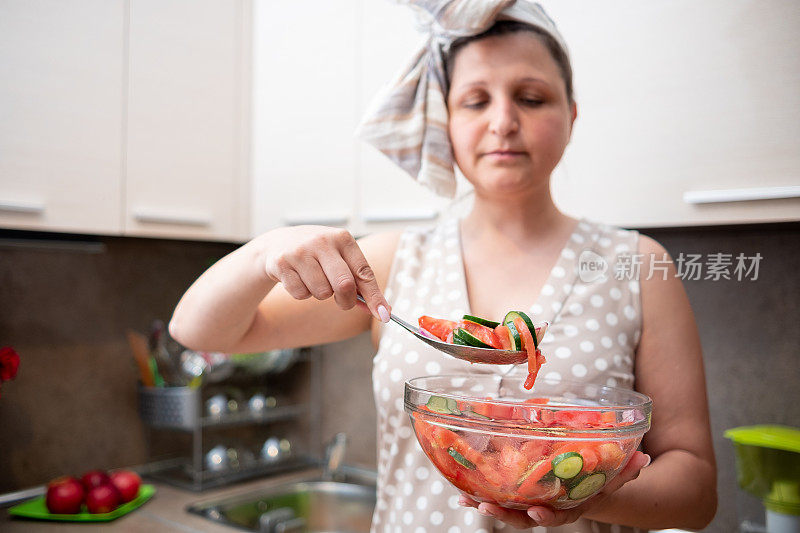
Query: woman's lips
505, 155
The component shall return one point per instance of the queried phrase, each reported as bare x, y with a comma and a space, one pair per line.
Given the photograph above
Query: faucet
334, 453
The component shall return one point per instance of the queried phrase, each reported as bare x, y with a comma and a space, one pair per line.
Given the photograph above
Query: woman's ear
574, 113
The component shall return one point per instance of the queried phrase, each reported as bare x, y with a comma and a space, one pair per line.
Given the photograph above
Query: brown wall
73, 405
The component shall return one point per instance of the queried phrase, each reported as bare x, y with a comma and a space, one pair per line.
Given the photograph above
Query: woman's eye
474, 104
531, 101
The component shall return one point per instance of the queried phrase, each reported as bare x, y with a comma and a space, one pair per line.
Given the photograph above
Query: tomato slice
588, 450
439, 327
485, 334
533, 353
512, 462
579, 419
535, 449
501, 332
496, 411
537, 401
611, 455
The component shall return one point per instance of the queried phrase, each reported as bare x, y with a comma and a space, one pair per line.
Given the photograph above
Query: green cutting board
36, 508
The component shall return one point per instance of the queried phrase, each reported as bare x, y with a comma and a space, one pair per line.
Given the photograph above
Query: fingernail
463, 501
536, 515
383, 313
484, 511
648, 460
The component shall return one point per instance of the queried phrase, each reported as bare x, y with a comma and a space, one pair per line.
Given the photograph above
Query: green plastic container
768, 465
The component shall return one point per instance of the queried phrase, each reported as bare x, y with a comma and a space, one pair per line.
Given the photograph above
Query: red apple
94, 478
102, 499
64, 495
127, 483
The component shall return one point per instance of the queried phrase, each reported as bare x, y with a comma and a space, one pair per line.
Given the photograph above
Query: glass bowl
554, 445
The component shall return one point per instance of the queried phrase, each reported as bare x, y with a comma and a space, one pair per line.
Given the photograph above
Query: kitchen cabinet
125, 117
685, 111
313, 79
304, 87
61, 139
187, 99
387, 196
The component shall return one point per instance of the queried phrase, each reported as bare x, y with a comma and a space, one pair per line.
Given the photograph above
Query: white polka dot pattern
595, 327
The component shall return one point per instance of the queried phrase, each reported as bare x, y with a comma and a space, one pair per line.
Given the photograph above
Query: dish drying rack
181, 409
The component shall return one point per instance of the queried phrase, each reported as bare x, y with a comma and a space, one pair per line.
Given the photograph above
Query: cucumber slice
445, 406
460, 459
458, 340
567, 465
476, 416
514, 337
482, 321
509, 319
587, 486
469, 338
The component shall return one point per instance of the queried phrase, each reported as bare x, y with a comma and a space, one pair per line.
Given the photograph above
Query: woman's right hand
322, 262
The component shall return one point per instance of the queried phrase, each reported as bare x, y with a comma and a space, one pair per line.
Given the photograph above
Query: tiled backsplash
73, 404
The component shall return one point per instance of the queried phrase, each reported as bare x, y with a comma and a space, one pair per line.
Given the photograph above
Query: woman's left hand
545, 516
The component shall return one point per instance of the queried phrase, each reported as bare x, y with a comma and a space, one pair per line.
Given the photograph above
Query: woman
509, 115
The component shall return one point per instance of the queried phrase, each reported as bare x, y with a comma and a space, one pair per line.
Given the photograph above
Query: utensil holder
170, 407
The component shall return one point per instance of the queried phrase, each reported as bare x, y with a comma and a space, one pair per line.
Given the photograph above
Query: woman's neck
525, 219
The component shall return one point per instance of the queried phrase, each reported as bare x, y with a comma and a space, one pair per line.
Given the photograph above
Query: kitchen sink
342, 504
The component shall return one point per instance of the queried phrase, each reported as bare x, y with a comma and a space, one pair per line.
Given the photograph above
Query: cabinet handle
33, 208
741, 195
401, 216
153, 217
316, 220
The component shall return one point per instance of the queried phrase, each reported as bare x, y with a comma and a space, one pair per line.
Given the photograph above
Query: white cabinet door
676, 97
388, 196
61, 103
186, 135
304, 101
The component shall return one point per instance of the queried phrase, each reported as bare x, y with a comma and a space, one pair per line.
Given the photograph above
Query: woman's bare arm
289, 287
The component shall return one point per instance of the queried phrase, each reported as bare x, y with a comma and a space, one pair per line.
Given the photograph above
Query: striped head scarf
408, 119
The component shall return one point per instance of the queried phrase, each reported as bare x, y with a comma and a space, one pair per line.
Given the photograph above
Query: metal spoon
491, 356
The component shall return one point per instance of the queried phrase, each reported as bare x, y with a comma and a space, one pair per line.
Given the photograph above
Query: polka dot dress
595, 327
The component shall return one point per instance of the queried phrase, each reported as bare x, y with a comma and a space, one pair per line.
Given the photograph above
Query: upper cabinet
388, 197
125, 117
61, 132
206, 119
313, 80
188, 96
688, 112
304, 101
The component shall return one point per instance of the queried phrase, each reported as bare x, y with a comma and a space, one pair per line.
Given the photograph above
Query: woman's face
510, 118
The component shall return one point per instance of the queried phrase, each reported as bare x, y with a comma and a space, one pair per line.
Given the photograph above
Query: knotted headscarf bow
408, 119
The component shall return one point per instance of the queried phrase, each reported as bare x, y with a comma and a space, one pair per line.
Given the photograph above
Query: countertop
166, 511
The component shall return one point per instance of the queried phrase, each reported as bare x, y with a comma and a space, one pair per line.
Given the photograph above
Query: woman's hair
505, 27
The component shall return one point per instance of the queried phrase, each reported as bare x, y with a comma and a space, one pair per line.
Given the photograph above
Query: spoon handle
393, 318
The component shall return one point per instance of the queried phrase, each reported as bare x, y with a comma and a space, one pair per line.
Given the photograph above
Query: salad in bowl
499, 442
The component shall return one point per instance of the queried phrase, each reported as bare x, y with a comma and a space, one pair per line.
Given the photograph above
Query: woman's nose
504, 119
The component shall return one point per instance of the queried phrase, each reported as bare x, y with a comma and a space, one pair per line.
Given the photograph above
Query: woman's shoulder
644, 244
603, 230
